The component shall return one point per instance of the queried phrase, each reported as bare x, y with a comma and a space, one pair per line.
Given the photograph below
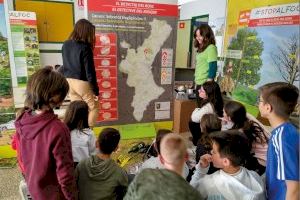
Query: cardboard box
182, 114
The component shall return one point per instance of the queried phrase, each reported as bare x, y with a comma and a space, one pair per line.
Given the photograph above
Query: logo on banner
80, 4
181, 25
244, 17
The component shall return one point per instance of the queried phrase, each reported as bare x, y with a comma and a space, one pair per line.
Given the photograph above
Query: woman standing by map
206, 56
78, 66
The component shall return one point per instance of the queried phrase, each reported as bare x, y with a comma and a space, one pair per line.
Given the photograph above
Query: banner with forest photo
7, 108
261, 46
6, 94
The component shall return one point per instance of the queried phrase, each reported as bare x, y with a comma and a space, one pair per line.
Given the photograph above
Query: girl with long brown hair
206, 56
82, 137
78, 66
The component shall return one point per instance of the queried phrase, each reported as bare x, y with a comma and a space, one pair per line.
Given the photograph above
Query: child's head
159, 136
210, 92
209, 123
76, 116
203, 36
84, 31
278, 98
230, 148
236, 113
108, 140
46, 89
173, 150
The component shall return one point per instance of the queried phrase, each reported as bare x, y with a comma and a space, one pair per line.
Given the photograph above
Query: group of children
64, 160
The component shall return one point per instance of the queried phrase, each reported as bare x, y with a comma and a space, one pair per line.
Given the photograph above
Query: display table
182, 114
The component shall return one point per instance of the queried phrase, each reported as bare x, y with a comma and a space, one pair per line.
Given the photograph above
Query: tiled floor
9, 184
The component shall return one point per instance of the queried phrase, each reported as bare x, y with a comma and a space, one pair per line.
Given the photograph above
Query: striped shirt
282, 160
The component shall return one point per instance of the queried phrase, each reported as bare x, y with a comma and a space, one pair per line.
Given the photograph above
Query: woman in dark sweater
78, 66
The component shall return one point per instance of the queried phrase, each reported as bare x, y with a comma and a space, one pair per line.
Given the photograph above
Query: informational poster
25, 44
7, 110
105, 57
262, 46
134, 58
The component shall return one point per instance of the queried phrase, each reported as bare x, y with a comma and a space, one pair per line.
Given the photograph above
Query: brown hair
214, 97
76, 116
159, 136
238, 115
281, 96
208, 37
42, 86
84, 31
209, 123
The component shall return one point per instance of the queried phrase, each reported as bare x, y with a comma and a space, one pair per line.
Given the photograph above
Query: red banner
105, 55
137, 8
23, 21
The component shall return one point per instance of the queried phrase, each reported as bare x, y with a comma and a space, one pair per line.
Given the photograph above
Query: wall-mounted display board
262, 46
25, 44
54, 19
7, 110
134, 59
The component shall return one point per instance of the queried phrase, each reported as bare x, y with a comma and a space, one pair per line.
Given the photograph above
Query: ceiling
180, 2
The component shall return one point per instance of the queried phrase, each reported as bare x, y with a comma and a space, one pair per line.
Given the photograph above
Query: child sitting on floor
235, 117
166, 183
99, 177
82, 137
211, 102
153, 162
232, 181
209, 123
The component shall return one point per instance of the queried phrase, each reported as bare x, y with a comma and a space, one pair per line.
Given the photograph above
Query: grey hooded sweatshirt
100, 179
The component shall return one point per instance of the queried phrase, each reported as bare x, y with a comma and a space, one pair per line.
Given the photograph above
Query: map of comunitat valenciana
138, 64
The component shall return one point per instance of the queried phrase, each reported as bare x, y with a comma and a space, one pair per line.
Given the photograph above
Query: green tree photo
246, 70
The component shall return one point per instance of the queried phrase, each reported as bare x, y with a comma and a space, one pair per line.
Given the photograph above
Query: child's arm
198, 113
123, 184
123, 179
288, 157
292, 190
14, 142
201, 169
92, 144
62, 153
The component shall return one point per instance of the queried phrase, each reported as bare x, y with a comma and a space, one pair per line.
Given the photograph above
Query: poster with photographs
261, 46
25, 43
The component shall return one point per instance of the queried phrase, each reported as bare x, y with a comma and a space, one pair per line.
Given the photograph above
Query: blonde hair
173, 149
